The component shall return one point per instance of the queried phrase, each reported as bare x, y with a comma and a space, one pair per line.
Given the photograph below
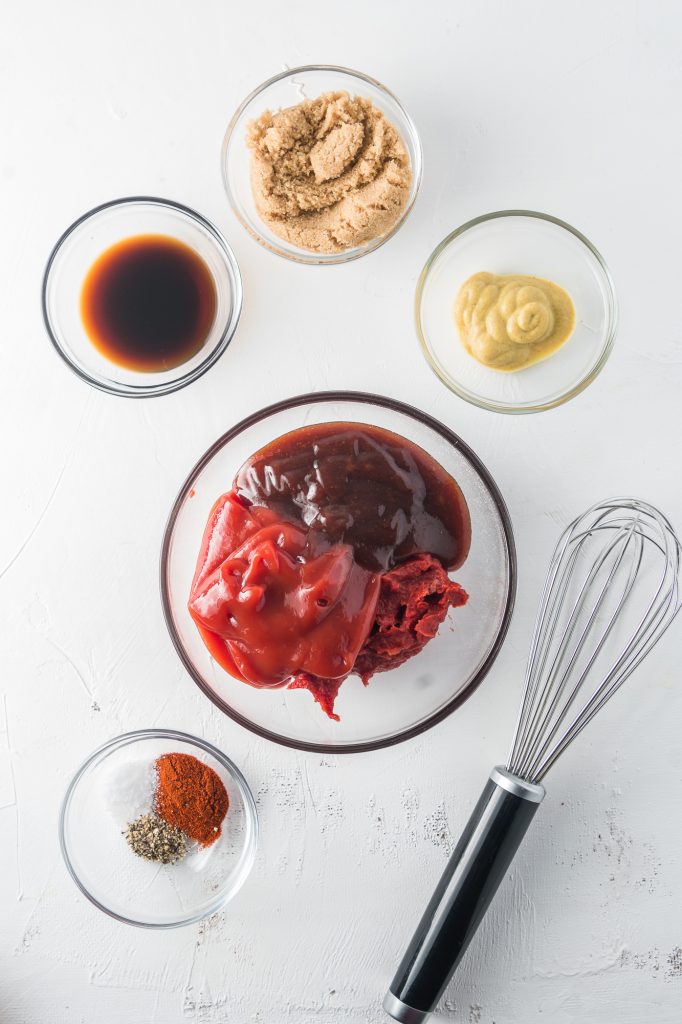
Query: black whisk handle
477, 866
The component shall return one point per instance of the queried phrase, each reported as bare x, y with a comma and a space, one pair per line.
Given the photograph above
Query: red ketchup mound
329, 556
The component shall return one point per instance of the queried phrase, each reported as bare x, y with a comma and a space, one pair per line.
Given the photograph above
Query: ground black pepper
154, 839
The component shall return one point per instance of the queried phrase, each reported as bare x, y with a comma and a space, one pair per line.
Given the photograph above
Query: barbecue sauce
361, 485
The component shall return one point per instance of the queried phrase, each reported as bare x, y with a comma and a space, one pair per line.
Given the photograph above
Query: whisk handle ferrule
477, 866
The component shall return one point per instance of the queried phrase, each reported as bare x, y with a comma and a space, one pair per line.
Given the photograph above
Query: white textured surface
572, 109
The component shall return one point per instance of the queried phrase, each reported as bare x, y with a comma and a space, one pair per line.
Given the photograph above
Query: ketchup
268, 608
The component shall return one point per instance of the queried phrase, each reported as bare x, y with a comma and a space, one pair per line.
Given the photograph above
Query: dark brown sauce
148, 303
364, 486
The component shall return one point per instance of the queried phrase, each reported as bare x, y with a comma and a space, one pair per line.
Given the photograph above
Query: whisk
612, 589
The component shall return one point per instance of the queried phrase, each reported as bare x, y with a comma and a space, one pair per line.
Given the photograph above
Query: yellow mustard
510, 321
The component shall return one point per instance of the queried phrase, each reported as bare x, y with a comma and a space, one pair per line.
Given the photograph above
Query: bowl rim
247, 857
315, 398
149, 390
609, 334
303, 256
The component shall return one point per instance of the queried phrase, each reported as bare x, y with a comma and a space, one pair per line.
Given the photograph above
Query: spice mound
190, 796
510, 321
152, 838
178, 802
329, 174
328, 557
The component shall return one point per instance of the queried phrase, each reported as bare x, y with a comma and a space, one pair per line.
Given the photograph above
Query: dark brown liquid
364, 486
148, 303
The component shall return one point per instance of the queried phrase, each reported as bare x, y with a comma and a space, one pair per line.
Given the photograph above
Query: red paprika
191, 796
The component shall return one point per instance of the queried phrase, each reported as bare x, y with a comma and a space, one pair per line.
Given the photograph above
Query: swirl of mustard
510, 321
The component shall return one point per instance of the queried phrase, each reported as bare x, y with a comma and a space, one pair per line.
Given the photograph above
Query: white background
572, 109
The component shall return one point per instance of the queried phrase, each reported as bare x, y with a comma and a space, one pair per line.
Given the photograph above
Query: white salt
128, 790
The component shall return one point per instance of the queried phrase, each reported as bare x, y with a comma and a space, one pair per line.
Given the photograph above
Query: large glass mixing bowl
396, 704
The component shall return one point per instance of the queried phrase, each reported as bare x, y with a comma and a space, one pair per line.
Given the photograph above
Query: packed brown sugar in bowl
329, 174
148, 303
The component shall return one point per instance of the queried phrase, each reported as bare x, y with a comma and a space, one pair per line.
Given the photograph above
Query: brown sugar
328, 174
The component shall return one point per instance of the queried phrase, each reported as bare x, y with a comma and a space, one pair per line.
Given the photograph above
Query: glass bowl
397, 704
77, 250
521, 242
286, 90
134, 890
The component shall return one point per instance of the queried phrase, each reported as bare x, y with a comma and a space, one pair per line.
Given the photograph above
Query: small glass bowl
398, 704
517, 242
286, 90
83, 243
136, 891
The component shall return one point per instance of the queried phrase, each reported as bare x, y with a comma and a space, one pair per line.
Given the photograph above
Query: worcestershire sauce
148, 303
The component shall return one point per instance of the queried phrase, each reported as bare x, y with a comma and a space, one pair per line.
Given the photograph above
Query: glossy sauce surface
148, 303
268, 608
361, 485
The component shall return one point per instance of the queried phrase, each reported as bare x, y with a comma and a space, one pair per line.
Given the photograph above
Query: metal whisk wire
612, 589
